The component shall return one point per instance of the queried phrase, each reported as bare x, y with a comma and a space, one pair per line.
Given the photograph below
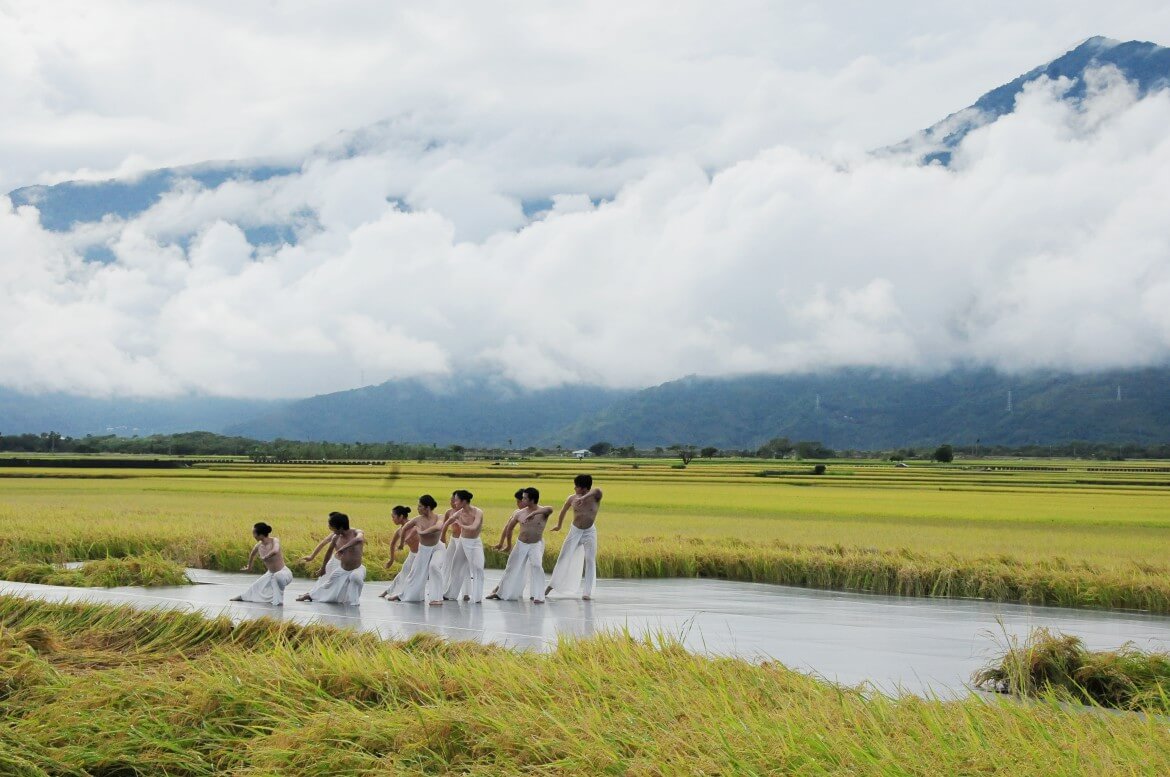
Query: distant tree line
209, 444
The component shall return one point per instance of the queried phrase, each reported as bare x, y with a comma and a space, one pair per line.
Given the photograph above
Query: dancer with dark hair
345, 582
455, 566
400, 514
425, 581
579, 552
270, 587
526, 560
467, 558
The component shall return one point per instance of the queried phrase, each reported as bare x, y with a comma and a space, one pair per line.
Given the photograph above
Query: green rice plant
1050, 664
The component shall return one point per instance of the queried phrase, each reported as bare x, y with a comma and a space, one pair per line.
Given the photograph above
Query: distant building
584, 453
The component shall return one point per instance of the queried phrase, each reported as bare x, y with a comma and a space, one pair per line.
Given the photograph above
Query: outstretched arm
251, 557
506, 534
317, 549
561, 517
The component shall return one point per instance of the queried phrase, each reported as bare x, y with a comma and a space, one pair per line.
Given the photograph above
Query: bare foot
538, 601
492, 596
466, 598
587, 597
304, 598
437, 604
547, 590
393, 599
236, 599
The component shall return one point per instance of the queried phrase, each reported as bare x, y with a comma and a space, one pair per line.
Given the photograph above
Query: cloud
1043, 246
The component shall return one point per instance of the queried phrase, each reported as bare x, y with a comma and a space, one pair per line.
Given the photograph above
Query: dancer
425, 581
409, 540
467, 558
270, 587
455, 569
520, 511
345, 582
580, 548
528, 555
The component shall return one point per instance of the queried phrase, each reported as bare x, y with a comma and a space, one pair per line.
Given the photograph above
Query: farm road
916, 645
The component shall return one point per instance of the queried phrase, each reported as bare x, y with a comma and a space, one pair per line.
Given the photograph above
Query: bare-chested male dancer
345, 582
401, 539
580, 548
528, 555
270, 587
468, 552
426, 576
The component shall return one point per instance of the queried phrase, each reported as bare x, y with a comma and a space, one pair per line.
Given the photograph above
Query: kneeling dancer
426, 576
269, 589
527, 558
345, 582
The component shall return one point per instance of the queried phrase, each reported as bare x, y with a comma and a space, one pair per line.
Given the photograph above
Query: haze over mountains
857, 408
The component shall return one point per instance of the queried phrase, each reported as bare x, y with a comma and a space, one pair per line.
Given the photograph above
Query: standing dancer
455, 568
345, 582
528, 555
426, 576
468, 554
270, 587
580, 548
401, 539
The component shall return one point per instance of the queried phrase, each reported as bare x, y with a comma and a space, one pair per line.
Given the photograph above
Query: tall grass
89, 689
1057, 665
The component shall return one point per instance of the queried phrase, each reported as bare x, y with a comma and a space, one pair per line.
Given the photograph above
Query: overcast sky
714, 209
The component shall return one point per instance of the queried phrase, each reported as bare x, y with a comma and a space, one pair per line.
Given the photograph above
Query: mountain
1145, 65
75, 416
469, 411
873, 410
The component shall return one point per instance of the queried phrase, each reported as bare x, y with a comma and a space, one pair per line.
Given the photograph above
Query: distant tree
776, 448
686, 454
819, 469
457, 449
813, 449
944, 454
600, 448
708, 453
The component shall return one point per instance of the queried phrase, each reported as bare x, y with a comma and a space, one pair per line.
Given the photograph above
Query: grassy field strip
103, 691
921, 531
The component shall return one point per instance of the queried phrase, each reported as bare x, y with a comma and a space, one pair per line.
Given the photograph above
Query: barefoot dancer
399, 515
345, 582
580, 548
509, 525
426, 576
468, 554
527, 558
270, 587
455, 569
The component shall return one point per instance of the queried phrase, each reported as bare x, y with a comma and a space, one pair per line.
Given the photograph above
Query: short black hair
338, 520
402, 510
262, 529
426, 500
462, 494
532, 494
583, 481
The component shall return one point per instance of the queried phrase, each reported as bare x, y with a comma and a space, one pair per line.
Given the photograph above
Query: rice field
98, 690
1073, 533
